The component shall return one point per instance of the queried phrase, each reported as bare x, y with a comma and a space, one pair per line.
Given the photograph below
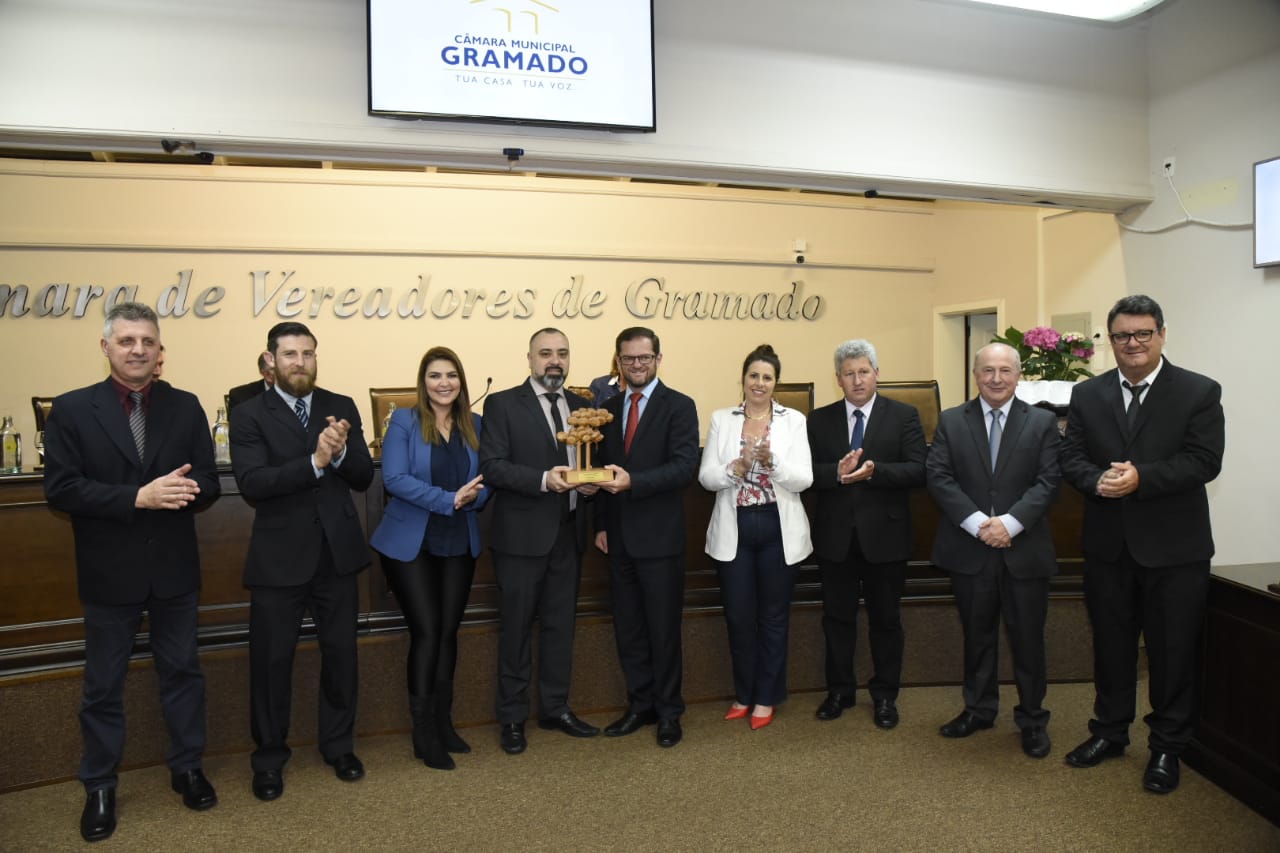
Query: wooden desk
40, 616
1237, 742
41, 634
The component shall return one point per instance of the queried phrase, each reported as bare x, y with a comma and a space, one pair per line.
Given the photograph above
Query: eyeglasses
642, 360
1141, 336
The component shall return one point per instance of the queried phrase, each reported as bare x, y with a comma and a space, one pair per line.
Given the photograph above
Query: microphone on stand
488, 383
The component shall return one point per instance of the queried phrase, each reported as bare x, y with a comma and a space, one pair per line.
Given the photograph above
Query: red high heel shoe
761, 722
736, 713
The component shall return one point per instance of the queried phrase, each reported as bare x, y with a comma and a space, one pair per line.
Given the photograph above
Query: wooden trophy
583, 433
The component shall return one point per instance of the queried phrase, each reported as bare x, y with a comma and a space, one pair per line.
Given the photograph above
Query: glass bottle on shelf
222, 439
10, 448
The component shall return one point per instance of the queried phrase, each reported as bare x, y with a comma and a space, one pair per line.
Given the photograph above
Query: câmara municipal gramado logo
514, 36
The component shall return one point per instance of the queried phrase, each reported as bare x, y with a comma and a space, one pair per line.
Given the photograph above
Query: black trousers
1167, 606
648, 602
432, 593
109, 631
275, 620
545, 587
1023, 603
880, 585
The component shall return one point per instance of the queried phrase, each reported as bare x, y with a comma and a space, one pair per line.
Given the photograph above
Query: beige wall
878, 267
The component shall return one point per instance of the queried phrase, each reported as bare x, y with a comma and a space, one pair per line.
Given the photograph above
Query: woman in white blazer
429, 539
757, 462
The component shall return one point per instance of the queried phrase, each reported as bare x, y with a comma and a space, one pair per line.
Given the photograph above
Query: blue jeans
755, 589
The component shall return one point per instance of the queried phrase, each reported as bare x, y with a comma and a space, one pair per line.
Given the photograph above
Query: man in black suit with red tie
993, 471
1142, 441
297, 452
131, 460
868, 453
537, 536
651, 445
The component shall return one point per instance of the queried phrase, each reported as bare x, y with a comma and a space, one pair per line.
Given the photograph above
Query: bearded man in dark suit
651, 445
537, 536
297, 452
131, 460
868, 453
993, 471
1142, 441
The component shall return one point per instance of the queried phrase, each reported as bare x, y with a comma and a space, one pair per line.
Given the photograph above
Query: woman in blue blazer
429, 539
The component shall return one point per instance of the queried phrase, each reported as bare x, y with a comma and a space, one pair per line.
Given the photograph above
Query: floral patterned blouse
756, 488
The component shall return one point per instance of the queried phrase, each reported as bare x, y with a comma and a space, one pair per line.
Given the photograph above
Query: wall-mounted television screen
583, 63
1266, 213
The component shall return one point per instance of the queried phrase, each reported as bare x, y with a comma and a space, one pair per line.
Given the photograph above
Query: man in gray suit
993, 471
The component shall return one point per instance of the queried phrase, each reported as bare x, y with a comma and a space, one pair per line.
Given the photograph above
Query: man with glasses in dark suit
1142, 441
651, 445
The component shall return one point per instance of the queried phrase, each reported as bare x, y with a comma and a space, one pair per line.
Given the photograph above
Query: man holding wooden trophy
649, 450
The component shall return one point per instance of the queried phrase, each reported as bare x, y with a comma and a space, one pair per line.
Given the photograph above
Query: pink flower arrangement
1049, 354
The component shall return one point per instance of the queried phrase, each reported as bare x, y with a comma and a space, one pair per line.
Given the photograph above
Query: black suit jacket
516, 448
244, 393
1024, 484
92, 473
878, 508
296, 511
648, 519
1177, 448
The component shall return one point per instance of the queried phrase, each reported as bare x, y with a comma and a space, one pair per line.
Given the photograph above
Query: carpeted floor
799, 784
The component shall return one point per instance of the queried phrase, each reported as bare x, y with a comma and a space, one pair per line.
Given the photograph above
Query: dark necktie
1135, 404
138, 424
554, 400
855, 441
633, 420
566, 504
300, 409
994, 438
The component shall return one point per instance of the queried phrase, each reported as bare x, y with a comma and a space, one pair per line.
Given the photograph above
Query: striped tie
138, 424
300, 409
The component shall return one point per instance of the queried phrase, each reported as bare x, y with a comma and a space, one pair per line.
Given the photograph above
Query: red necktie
633, 420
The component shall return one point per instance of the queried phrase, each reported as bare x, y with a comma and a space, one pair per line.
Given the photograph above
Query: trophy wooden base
588, 475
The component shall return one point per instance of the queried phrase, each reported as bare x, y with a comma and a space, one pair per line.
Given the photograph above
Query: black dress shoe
195, 789
629, 722
1162, 773
513, 742
569, 724
886, 713
98, 820
669, 733
833, 706
1035, 741
347, 767
1092, 752
964, 725
268, 785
